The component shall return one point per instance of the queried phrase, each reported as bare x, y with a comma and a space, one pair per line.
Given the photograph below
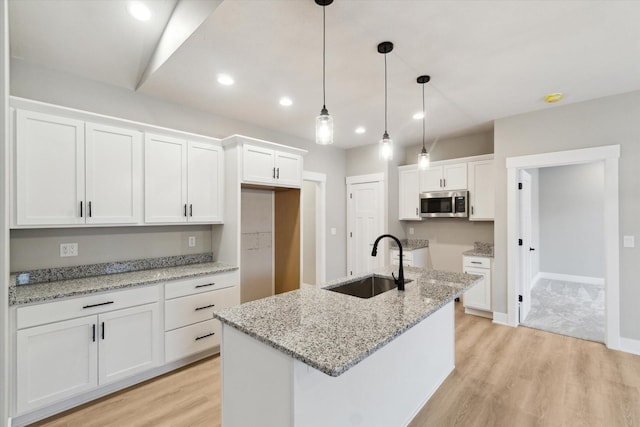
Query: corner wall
4, 211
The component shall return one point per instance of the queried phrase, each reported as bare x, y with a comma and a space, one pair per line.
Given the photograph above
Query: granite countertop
410, 244
332, 332
24, 294
480, 249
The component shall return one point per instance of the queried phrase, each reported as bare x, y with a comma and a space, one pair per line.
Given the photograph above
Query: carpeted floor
567, 308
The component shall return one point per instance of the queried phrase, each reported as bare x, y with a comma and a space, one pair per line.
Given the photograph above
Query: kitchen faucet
400, 280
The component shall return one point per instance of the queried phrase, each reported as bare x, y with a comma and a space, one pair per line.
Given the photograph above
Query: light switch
629, 241
192, 241
411, 230
333, 231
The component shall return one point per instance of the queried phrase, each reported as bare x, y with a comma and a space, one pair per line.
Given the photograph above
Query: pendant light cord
424, 118
385, 93
324, 36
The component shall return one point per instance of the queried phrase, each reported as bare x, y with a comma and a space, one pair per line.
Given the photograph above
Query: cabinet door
55, 361
479, 297
288, 169
113, 175
165, 179
49, 169
431, 179
205, 177
408, 194
129, 342
481, 191
455, 177
258, 165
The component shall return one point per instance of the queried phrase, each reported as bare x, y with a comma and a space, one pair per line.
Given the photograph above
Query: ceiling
487, 59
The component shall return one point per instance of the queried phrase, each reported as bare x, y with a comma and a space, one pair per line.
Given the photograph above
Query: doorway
365, 222
609, 155
314, 228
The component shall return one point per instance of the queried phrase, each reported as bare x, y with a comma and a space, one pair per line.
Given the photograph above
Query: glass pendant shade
324, 128
423, 160
386, 147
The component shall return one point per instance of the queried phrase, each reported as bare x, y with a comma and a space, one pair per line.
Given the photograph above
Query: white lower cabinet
477, 300
59, 360
410, 258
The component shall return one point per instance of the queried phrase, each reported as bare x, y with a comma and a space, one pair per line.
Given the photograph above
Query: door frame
320, 180
610, 155
363, 179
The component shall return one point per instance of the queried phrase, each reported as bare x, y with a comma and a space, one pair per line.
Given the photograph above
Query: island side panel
387, 388
256, 382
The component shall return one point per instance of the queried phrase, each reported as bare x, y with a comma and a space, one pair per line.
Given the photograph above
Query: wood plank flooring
504, 377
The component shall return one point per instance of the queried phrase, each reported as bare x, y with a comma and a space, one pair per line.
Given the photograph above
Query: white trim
610, 155
629, 345
570, 278
320, 179
455, 161
500, 318
361, 179
314, 176
479, 313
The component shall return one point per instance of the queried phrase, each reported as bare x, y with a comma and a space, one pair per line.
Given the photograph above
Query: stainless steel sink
367, 287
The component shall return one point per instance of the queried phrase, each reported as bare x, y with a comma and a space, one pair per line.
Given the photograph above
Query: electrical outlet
68, 249
333, 231
192, 241
629, 241
411, 230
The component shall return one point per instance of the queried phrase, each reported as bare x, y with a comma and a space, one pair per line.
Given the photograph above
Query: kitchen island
313, 357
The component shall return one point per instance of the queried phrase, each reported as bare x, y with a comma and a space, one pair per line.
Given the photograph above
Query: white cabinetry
410, 258
408, 193
477, 300
69, 172
189, 305
183, 180
273, 167
444, 177
113, 339
481, 190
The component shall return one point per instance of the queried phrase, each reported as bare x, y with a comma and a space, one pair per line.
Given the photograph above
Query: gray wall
453, 148
309, 232
55, 87
572, 219
4, 210
605, 121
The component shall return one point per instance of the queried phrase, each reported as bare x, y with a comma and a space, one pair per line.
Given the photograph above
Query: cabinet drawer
406, 255
196, 308
39, 314
477, 262
192, 339
197, 285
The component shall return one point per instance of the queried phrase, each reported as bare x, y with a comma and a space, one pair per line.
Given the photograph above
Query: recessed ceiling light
285, 101
225, 79
139, 11
360, 129
553, 97
418, 116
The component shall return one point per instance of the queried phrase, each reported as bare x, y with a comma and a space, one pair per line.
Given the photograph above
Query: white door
288, 169
113, 175
258, 164
527, 246
165, 179
431, 179
205, 176
454, 177
408, 194
55, 361
129, 342
49, 170
479, 297
365, 225
481, 191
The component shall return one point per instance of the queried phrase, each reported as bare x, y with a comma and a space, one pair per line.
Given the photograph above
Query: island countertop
332, 332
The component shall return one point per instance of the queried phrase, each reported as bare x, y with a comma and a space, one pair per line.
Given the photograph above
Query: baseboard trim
571, 278
629, 345
500, 318
480, 313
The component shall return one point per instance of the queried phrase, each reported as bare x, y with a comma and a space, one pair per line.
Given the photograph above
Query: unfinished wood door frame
320, 181
286, 236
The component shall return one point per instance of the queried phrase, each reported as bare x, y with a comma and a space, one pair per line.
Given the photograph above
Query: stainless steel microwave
444, 204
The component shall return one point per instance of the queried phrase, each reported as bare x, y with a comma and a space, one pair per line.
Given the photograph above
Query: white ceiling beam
187, 16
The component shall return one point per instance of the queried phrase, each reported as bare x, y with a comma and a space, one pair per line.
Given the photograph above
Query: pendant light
386, 143
324, 122
423, 158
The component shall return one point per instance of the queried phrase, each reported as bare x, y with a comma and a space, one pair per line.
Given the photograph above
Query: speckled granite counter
332, 332
25, 294
411, 244
480, 249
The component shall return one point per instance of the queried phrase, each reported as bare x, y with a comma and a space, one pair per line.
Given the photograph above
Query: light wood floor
504, 377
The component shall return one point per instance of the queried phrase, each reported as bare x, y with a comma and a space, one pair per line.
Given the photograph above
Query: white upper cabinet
481, 191
444, 178
183, 180
288, 169
408, 193
69, 172
263, 165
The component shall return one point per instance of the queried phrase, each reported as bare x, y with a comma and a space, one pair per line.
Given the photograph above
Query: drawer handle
205, 336
93, 333
97, 305
206, 306
203, 286
476, 262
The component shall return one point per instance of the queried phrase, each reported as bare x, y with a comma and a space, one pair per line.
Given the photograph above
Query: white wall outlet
68, 249
333, 231
629, 241
411, 230
192, 241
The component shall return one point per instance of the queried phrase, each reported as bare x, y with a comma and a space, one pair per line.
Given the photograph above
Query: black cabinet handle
93, 332
185, 209
102, 330
532, 249
471, 210
274, 173
476, 262
204, 286
206, 306
278, 173
97, 305
80, 209
205, 336
89, 209
190, 210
